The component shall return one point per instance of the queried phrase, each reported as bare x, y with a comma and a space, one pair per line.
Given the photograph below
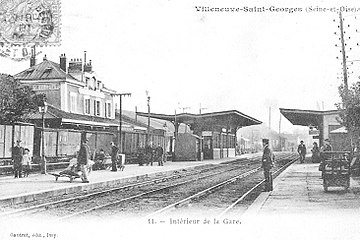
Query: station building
211, 135
322, 125
79, 106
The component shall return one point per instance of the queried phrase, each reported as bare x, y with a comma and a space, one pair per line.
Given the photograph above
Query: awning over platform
232, 119
306, 117
57, 118
340, 130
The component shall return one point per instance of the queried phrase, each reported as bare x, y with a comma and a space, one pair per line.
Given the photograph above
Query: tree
16, 100
350, 114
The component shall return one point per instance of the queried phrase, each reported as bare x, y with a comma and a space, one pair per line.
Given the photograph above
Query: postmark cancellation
28, 23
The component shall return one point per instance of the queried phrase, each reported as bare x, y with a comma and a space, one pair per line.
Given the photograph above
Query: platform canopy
306, 117
231, 120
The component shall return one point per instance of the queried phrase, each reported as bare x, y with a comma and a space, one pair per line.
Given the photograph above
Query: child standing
26, 162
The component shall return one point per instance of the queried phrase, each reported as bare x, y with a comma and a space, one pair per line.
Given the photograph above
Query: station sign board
313, 132
206, 134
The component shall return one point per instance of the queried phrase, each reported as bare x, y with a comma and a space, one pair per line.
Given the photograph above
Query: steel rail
144, 194
131, 186
276, 173
203, 192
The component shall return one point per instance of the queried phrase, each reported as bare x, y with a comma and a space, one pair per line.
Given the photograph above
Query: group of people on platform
21, 160
268, 158
117, 161
315, 158
85, 161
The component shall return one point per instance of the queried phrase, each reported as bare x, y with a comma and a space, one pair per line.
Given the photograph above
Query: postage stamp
25, 23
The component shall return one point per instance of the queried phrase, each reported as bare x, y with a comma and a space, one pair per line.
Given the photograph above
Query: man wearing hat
302, 151
267, 163
83, 160
17, 156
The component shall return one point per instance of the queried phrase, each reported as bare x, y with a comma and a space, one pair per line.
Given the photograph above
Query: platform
40, 186
299, 206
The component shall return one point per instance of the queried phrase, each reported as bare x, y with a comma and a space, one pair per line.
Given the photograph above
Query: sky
250, 62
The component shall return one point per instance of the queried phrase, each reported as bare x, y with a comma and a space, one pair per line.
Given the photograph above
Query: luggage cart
335, 167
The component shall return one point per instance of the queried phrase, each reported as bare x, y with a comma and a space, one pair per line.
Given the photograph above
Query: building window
105, 110
108, 109
87, 105
97, 108
73, 102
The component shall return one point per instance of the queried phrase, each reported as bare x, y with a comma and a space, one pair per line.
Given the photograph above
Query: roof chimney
32, 58
63, 62
84, 60
88, 67
44, 59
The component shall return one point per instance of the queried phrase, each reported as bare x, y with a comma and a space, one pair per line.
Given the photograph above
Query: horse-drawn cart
335, 167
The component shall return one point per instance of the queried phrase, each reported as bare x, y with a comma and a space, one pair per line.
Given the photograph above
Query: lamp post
43, 110
148, 125
120, 116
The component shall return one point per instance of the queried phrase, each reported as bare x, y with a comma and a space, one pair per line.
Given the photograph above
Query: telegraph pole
343, 56
200, 109
148, 124
120, 117
280, 133
269, 117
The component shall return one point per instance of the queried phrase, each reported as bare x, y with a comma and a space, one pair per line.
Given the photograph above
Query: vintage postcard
172, 119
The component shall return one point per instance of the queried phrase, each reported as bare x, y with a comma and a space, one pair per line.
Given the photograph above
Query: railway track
160, 196
212, 190
153, 191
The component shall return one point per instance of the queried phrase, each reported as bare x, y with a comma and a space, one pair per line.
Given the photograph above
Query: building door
208, 148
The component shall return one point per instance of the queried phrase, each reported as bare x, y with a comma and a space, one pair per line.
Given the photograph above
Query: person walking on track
17, 156
267, 163
302, 151
114, 153
83, 160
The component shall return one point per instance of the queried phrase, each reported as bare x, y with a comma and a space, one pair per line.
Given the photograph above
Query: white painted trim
91, 93
75, 82
87, 122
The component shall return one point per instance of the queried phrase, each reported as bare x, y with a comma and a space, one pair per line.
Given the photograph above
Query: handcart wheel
347, 185
56, 178
325, 185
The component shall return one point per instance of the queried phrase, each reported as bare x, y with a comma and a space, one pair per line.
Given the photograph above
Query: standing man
159, 154
114, 152
267, 164
83, 160
302, 151
150, 154
17, 156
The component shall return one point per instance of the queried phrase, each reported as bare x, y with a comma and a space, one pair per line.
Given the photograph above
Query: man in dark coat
159, 155
267, 163
150, 154
17, 155
114, 153
302, 151
83, 160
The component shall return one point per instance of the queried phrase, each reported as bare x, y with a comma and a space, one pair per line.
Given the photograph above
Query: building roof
340, 130
44, 70
74, 118
231, 118
306, 117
